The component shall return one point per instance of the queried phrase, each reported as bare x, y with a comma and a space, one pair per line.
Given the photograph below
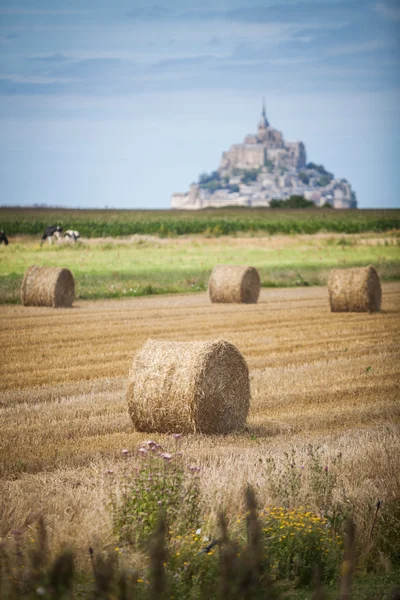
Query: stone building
264, 147
265, 167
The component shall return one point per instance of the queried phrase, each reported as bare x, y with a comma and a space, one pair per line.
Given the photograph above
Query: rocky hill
262, 170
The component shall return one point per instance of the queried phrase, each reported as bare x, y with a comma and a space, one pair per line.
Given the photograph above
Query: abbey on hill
265, 168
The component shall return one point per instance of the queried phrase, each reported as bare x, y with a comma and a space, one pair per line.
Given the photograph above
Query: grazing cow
72, 236
52, 233
3, 238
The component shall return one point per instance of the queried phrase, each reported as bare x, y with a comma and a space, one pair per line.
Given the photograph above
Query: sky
122, 103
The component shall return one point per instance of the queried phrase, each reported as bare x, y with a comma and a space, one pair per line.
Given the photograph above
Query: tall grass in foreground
270, 553
221, 570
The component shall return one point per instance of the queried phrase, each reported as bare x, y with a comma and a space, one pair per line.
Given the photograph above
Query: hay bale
354, 290
188, 387
48, 286
233, 283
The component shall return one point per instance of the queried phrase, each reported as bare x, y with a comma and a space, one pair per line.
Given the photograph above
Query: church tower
263, 124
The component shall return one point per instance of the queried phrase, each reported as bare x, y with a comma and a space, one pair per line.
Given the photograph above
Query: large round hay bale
354, 290
48, 286
234, 283
188, 387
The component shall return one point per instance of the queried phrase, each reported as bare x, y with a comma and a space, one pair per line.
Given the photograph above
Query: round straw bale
233, 283
188, 387
354, 290
48, 286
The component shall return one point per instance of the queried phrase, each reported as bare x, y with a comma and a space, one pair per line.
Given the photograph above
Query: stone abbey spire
264, 121
263, 125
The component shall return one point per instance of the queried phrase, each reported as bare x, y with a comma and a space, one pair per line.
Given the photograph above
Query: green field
102, 223
143, 265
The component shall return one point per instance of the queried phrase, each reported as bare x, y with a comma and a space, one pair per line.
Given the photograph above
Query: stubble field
326, 379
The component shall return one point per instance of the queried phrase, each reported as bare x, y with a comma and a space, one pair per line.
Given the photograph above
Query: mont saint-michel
263, 169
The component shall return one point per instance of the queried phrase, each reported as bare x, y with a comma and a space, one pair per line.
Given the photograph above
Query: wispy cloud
23, 10
296, 12
50, 58
10, 87
292, 45
361, 47
97, 68
183, 63
6, 39
389, 10
151, 12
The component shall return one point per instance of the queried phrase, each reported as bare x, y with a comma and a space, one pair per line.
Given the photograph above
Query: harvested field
329, 379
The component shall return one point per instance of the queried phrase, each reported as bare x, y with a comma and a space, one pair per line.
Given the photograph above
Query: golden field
326, 379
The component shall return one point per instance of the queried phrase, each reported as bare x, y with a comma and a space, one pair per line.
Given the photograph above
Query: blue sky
122, 103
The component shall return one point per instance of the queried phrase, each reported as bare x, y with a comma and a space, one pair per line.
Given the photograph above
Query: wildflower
194, 469
159, 502
40, 591
109, 472
150, 443
198, 531
139, 580
142, 451
177, 436
166, 456
124, 451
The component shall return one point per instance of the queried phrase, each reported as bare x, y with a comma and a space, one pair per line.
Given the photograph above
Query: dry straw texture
232, 283
48, 286
354, 290
189, 387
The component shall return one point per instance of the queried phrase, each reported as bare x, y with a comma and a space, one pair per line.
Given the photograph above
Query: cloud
295, 12
182, 63
20, 10
100, 68
362, 47
50, 58
389, 10
215, 41
293, 53
299, 12
5, 39
9, 87
152, 12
